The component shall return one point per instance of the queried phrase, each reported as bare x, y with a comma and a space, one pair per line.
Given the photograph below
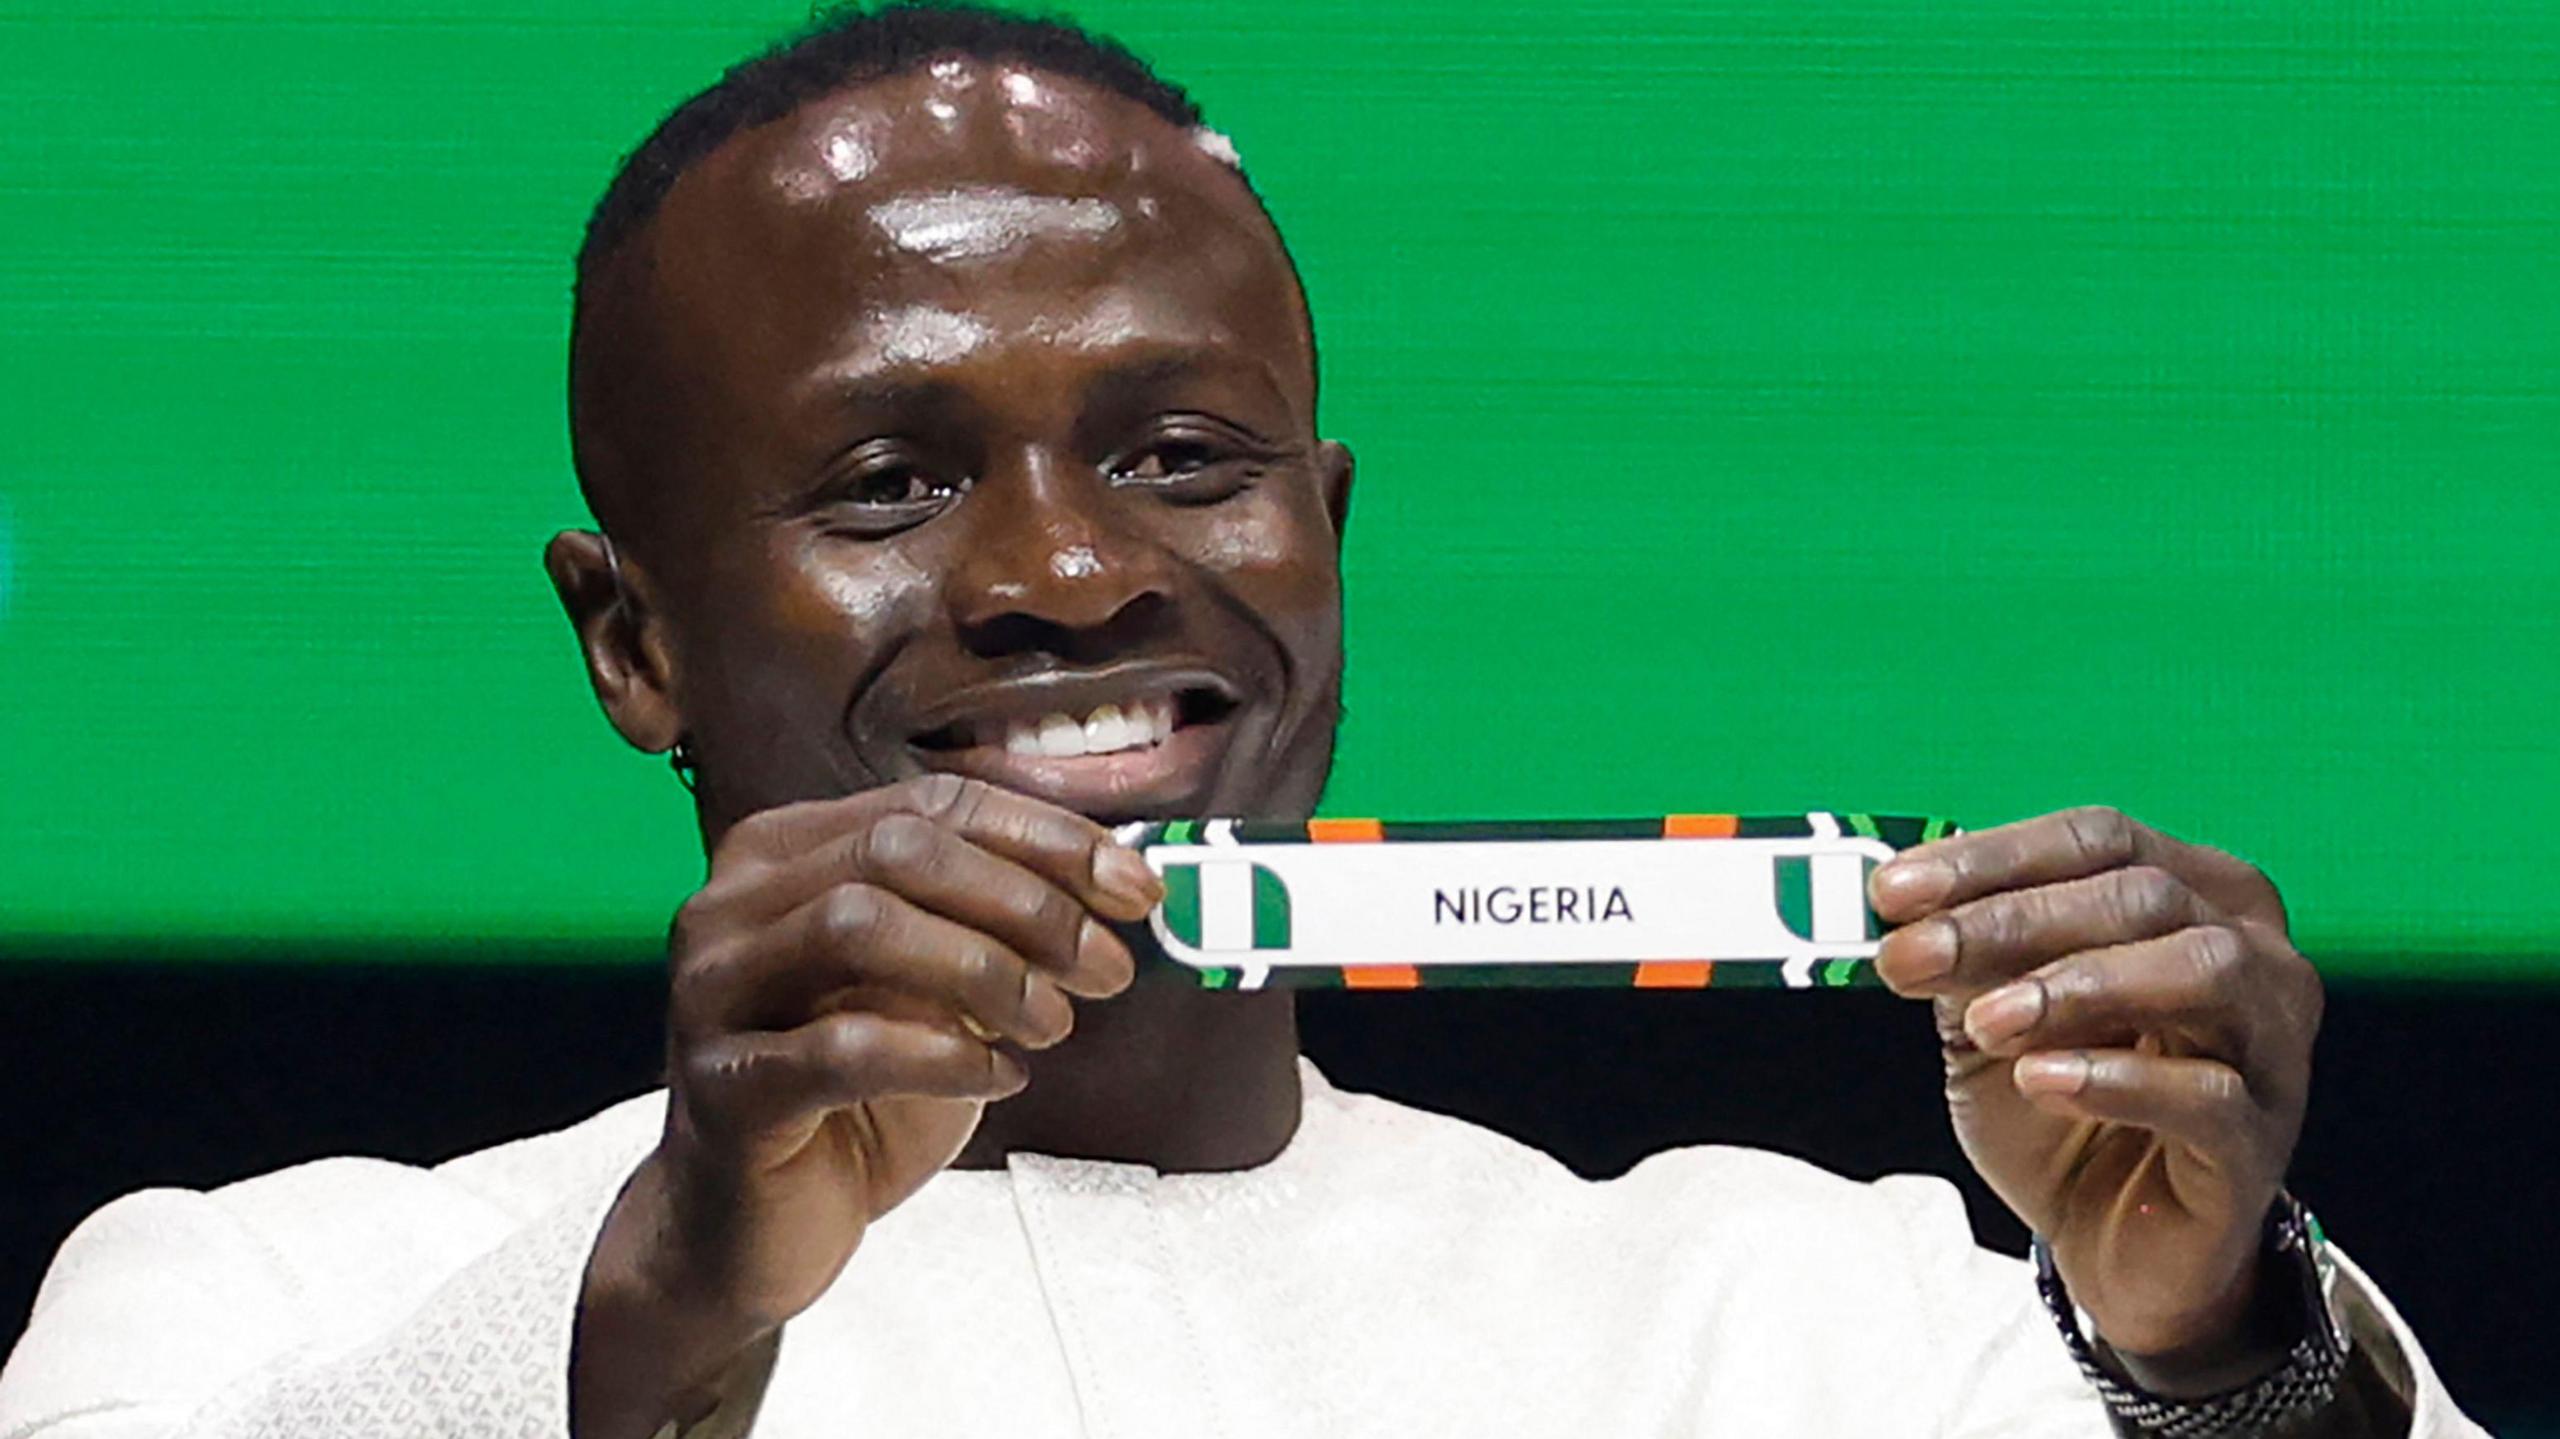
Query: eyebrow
1146, 368
1154, 367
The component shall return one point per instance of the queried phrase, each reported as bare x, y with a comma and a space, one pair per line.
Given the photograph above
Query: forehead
968, 186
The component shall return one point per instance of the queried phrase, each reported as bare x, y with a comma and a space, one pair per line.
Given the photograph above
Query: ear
1333, 470
628, 659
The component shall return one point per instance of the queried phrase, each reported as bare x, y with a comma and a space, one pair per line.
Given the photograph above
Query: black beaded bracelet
2307, 1379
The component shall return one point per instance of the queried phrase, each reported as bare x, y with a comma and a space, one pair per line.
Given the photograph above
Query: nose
1048, 567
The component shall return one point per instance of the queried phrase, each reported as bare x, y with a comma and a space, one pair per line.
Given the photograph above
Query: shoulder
497, 1188
333, 1220
209, 1285
527, 1175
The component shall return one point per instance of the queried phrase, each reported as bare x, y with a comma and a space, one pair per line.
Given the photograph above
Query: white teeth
1105, 731
1060, 737
1110, 729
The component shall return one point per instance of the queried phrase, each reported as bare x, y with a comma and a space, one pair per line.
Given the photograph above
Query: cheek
801, 619
1276, 553
842, 595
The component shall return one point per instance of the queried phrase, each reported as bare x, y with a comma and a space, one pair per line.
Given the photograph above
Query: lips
1122, 744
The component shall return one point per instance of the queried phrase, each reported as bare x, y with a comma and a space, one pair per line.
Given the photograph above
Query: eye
896, 485
1188, 467
883, 491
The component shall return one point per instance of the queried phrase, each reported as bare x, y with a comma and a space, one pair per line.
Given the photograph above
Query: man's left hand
2128, 1047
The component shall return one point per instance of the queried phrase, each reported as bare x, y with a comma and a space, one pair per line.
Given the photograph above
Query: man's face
971, 412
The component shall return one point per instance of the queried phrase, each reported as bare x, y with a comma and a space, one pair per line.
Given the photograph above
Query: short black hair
847, 45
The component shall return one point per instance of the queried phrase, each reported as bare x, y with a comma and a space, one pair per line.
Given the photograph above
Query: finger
1988, 941
2073, 844
759, 1085
2203, 1103
1060, 845
861, 935
2193, 982
938, 864
947, 873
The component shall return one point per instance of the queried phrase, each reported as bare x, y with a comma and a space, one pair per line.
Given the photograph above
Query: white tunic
1391, 1273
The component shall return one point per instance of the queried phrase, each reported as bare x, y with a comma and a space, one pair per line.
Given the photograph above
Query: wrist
2245, 1336
2221, 1390
648, 1347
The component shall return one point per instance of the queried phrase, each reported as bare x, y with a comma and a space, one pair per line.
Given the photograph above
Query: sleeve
2016, 1381
2377, 1336
2007, 1373
167, 1314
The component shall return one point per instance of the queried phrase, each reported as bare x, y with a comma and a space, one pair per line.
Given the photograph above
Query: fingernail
1905, 885
2004, 1013
1101, 955
1123, 875
1925, 953
2052, 1073
1049, 1011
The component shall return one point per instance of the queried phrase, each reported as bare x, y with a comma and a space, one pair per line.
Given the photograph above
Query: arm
851, 986
2127, 1032
2007, 1374
2388, 1390
855, 980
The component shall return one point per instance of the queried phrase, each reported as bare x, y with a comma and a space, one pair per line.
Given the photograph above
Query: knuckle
988, 979
2299, 987
693, 988
2146, 895
695, 922
2070, 985
2220, 1087
852, 913
2216, 955
2313, 1003
951, 798
744, 838
1997, 926
2314, 989
898, 843
764, 836
1059, 919
706, 1074
2102, 833
967, 801
848, 1044
2256, 891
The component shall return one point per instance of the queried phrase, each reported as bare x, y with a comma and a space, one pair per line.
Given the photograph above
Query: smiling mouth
1148, 754
1139, 723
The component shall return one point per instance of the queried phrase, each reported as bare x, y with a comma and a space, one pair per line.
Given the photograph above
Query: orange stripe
1345, 831
1381, 976
1700, 826
1675, 974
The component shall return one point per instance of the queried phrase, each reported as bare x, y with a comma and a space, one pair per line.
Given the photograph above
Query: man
947, 403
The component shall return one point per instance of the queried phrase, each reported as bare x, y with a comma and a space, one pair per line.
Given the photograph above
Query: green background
1945, 407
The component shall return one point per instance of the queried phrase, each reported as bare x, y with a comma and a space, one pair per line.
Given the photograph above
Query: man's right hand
844, 990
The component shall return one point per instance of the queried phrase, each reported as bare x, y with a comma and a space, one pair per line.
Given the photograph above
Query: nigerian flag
1823, 898
1224, 905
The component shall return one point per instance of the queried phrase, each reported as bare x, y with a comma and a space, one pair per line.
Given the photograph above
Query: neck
1174, 1078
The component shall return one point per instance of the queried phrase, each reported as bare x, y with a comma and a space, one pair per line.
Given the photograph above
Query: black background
2430, 1150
